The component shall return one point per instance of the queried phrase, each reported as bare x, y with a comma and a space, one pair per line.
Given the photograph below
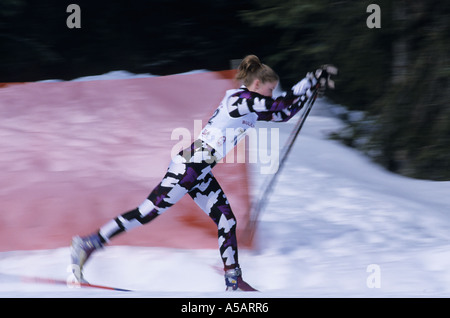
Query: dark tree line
159, 36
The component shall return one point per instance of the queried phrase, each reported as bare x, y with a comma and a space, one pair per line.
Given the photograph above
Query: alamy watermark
374, 19
260, 146
73, 21
374, 278
74, 272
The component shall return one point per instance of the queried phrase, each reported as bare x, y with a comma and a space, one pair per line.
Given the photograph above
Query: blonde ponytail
251, 68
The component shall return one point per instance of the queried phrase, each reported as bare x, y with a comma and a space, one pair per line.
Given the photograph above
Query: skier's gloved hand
323, 77
304, 86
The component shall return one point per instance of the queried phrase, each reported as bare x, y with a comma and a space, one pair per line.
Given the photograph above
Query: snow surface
117, 75
332, 215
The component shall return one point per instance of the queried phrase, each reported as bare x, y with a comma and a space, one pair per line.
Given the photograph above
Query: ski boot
234, 281
80, 250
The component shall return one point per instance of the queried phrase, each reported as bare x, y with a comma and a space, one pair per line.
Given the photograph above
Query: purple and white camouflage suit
191, 170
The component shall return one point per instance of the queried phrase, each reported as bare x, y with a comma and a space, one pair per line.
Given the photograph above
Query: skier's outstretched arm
282, 108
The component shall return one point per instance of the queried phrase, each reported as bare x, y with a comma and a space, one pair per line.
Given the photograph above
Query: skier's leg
175, 184
210, 198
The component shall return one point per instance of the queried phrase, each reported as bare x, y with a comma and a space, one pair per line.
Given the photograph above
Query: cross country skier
190, 170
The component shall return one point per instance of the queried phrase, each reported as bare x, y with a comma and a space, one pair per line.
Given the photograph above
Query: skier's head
256, 76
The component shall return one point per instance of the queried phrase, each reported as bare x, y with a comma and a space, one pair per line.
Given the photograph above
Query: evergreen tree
413, 131
329, 31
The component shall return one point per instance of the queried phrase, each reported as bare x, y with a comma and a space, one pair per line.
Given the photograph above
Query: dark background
397, 74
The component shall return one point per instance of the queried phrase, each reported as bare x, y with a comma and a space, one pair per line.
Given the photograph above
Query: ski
68, 283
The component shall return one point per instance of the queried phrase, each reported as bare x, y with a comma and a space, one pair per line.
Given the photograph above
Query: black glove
323, 77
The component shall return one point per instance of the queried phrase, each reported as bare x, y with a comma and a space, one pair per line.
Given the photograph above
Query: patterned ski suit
190, 170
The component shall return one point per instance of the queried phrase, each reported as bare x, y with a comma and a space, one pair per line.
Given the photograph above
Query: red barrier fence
76, 154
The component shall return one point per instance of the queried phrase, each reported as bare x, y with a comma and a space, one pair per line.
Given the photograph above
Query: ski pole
258, 205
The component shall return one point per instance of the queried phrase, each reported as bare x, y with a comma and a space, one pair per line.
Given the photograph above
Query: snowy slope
332, 215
